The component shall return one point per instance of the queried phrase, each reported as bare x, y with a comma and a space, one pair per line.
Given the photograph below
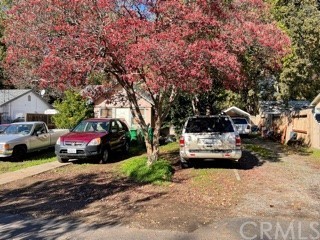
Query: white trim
315, 101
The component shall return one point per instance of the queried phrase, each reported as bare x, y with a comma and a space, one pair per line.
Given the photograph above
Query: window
120, 126
143, 113
106, 113
123, 126
212, 124
114, 127
239, 121
39, 128
29, 98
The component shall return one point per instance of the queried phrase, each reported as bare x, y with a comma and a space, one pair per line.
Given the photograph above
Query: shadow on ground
256, 151
37, 155
247, 161
114, 200
116, 156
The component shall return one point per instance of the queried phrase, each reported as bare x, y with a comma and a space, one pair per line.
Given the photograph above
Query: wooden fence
299, 126
47, 118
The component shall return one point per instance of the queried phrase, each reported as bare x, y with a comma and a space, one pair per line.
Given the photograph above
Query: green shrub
72, 109
138, 170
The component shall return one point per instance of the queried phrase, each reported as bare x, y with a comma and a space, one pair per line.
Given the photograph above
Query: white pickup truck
24, 137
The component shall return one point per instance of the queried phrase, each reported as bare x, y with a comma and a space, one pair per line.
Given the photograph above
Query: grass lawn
33, 159
37, 158
136, 168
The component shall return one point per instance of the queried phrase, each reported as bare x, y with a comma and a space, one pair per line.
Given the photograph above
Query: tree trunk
152, 152
152, 142
195, 105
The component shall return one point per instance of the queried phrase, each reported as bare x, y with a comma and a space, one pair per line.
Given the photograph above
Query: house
118, 106
15, 103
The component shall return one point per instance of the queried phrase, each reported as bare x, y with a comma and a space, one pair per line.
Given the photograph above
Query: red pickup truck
93, 139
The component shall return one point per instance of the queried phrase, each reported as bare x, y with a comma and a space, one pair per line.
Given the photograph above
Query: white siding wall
29, 103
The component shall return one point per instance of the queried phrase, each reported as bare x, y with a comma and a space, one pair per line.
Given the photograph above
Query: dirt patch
98, 195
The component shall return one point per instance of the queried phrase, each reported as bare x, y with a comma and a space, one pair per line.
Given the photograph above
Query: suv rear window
240, 121
209, 124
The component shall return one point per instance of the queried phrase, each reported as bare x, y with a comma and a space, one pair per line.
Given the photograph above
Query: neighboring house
15, 103
295, 122
271, 111
117, 106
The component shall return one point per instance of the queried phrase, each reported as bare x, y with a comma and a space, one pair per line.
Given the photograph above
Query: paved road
22, 227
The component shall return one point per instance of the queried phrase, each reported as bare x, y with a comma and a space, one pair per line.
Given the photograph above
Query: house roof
91, 90
278, 107
236, 110
9, 95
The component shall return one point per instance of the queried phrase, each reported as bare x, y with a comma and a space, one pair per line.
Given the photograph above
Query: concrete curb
30, 171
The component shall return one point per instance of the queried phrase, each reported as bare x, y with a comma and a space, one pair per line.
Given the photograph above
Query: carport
237, 112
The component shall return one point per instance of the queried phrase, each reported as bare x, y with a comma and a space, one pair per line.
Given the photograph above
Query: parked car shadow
116, 156
247, 161
32, 156
48, 153
255, 153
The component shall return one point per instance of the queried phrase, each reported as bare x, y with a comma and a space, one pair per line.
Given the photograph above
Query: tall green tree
72, 109
301, 70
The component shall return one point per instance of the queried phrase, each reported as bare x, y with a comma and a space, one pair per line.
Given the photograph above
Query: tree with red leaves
156, 47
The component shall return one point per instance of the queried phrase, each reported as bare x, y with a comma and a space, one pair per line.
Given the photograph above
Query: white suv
242, 125
209, 137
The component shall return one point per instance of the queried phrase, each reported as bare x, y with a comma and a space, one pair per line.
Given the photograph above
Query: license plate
72, 150
206, 141
210, 141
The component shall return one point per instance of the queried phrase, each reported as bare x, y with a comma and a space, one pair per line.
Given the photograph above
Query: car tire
62, 160
126, 147
19, 153
105, 156
184, 163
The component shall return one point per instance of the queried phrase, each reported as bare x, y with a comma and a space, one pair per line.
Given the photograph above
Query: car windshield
18, 129
92, 126
212, 124
3, 127
240, 121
